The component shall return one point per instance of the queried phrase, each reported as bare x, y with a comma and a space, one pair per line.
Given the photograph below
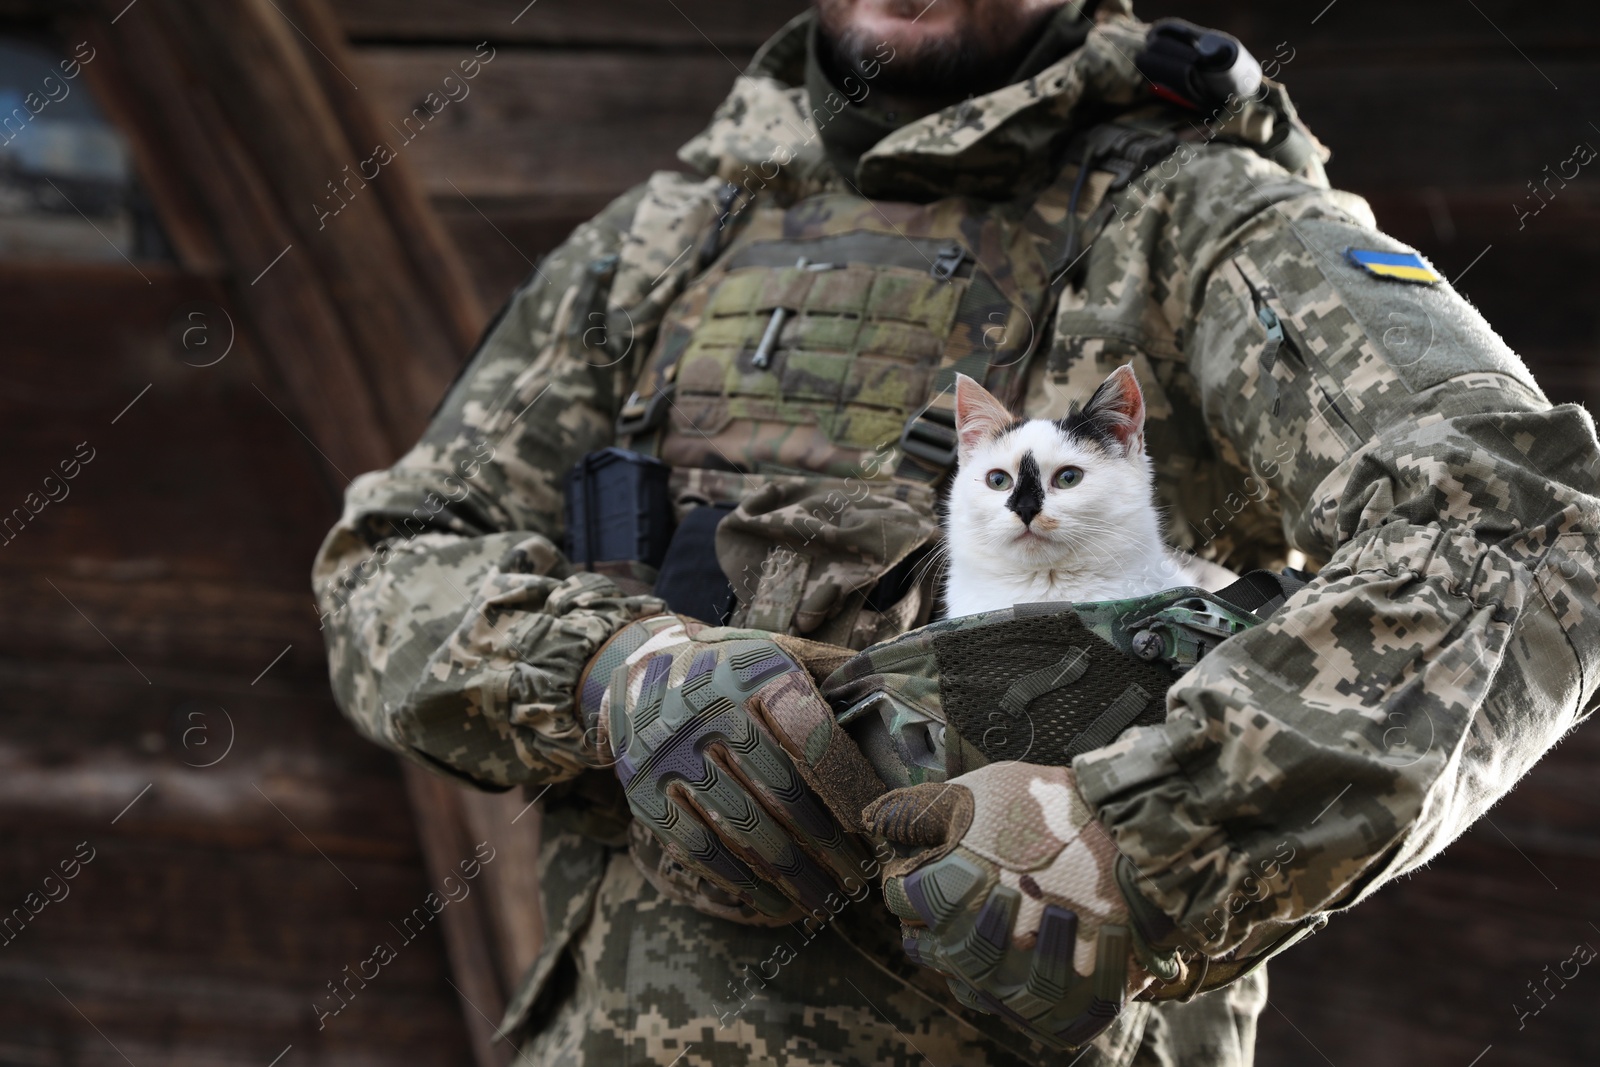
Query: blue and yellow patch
1396, 266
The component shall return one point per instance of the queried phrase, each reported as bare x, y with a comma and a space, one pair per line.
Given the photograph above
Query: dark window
67, 186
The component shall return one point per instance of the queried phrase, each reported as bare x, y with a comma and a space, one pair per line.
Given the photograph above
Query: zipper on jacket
1282, 340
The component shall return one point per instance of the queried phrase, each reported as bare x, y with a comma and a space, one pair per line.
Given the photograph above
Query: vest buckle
930, 435
947, 261
640, 416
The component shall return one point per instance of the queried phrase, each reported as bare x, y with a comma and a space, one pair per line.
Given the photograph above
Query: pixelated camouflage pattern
649, 981
1218, 1028
455, 628
570, 867
804, 554
743, 995
1451, 637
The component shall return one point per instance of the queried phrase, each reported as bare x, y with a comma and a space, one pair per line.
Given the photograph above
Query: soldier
1033, 193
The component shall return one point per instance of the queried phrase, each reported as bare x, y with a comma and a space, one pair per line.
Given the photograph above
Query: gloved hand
1010, 890
731, 759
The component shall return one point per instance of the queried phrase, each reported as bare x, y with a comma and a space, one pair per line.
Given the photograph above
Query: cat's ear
978, 414
1116, 411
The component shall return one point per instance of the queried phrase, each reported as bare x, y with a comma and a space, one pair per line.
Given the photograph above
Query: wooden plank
116, 523
503, 243
211, 748
220, 962
1351, 32
727, 24
1429, 971
545, 124
1406, 127
215, 626
433, 256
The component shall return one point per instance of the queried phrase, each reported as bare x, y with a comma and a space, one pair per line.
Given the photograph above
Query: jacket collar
768, 133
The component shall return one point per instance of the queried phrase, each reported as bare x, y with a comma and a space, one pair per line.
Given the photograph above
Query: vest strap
928, 441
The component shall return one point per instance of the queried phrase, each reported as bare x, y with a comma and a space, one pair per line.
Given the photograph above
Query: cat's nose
1025, 509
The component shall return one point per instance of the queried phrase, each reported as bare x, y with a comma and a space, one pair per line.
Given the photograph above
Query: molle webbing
833, 329
807, 347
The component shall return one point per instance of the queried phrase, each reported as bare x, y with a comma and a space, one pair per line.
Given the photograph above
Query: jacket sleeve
1451, 635
456, 630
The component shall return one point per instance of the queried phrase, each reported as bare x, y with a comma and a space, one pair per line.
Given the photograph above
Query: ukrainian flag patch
1395, 266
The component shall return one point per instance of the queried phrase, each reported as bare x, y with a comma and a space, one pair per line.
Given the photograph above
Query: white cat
1057, 510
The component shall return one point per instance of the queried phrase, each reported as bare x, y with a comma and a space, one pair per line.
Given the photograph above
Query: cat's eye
998, 479
1067, 477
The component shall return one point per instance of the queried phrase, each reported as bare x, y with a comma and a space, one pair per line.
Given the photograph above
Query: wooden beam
283, 301
549, 124
433, 255
440, 807
647, 23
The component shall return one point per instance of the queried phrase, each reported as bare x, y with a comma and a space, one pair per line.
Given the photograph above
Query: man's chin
908, 27
923, 38
943, 50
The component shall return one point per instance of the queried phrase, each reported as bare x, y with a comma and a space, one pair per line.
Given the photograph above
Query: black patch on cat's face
1027, 497
1095, 422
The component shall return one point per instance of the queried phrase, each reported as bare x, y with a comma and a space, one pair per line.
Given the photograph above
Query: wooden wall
167, 714
1438, 112
166, 701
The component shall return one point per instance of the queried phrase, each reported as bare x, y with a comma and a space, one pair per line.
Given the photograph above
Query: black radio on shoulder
618, 508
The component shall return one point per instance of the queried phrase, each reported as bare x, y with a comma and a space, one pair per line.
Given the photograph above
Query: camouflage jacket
1295, 401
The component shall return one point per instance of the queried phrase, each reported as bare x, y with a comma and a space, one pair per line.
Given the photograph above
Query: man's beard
935, 68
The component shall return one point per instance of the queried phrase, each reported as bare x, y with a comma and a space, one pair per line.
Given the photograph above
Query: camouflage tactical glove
731, 759
1010, 890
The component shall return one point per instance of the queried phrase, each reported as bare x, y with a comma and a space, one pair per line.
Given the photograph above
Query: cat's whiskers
938, 556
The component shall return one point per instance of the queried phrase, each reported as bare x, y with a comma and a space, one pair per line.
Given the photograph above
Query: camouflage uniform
1451, 636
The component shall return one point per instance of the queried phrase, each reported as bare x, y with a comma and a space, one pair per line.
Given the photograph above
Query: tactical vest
824, 327
818, 352
830, 330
